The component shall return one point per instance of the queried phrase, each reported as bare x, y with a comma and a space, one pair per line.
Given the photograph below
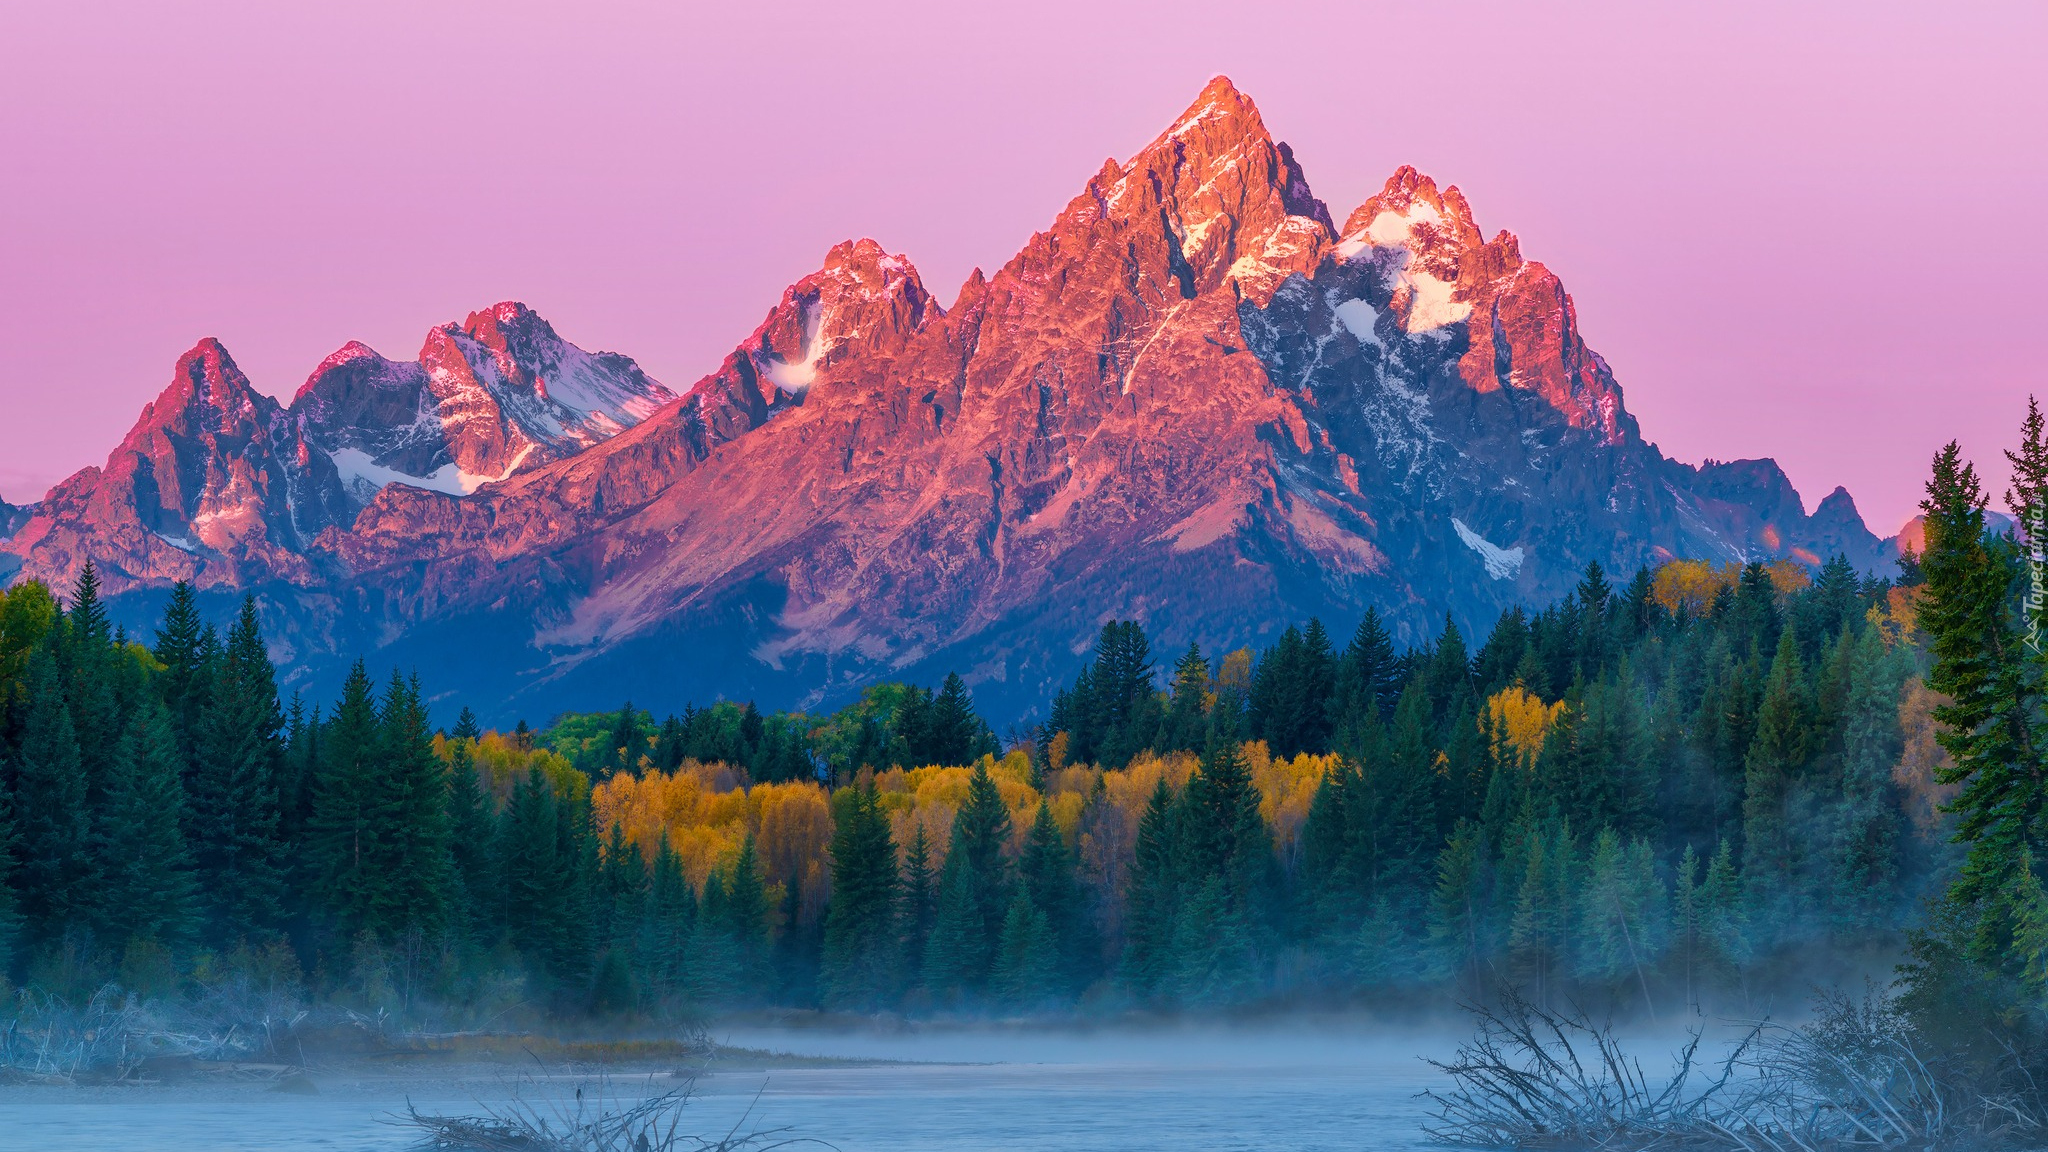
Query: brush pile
588, 1117
1852, 1078
116, 1036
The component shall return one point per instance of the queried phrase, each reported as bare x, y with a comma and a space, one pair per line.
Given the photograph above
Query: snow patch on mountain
1501, 563
367, 477
795, 377
1358, 318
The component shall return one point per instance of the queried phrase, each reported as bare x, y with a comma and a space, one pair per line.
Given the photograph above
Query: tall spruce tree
974, 892
920, 897
860, 958
53, 828
236, 766
149, 892
1046, 872
342, 837
1988, 725
1186, 725
410, 807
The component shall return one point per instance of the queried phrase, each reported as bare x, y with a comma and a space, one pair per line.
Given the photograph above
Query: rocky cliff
1195, 399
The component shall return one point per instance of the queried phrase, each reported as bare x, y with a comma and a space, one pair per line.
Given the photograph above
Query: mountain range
1196, 399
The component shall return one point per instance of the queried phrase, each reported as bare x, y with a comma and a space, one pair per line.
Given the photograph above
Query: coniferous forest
1687, 786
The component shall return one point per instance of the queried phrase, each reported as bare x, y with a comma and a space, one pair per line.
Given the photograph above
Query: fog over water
1298, 1087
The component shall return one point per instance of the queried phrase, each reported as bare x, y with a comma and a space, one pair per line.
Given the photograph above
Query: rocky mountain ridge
1194, 400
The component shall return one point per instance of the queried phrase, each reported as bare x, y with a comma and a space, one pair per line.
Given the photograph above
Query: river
1290, 1089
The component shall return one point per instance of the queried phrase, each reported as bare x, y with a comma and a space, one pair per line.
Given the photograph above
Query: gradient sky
1808, 231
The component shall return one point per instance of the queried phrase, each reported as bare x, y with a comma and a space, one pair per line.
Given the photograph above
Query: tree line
1674, 790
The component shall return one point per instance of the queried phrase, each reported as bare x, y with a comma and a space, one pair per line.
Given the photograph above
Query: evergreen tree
1458, 915
1402, 784
974, 891
860, 957
668, 924
1540, 937
953, 733
57, 873
1046, 874
1988, 726
178, 649
920, 896
1770, 849
743, 916
1867, 825
235, 813
343, 832
1154, 895
536, 910
471, 844
626, 744
10, 911
1367, 680
1185, 727
1622, 913
410, 806
149, 892
1026, 972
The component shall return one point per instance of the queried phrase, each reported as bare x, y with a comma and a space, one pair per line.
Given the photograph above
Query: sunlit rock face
1194, 399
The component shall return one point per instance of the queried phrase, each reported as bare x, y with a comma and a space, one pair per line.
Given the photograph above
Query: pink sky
1813, 232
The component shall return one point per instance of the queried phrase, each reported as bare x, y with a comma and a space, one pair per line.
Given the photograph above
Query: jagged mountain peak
1232, 202
862, 297
1411, 209
1191, 401
208, 392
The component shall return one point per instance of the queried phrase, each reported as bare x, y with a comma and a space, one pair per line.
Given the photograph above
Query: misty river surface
1259, 1088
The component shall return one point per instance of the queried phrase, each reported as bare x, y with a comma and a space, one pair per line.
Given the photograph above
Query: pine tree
1725, 925
920, 896
626, 744
1280, 694
743, 917
860, 956
235, 813
87, 661
1026, 971
343, 831
668, 924
178, 649
1154, 895
1403, 814
1539, 934
1988, 725
974, 891
10, 911
621, 890
1046, 873
1866, 828
1222, 833
471, 844
1770, 852
1458, 915
149, 892
1622, 913
1688, 925
1186, 725
953, 733
1366, 680
53, 830
410, 808
530, 863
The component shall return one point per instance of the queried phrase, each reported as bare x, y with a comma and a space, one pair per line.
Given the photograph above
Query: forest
1691, 789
